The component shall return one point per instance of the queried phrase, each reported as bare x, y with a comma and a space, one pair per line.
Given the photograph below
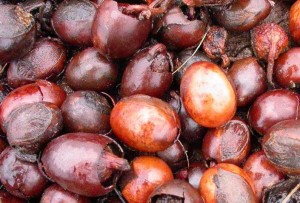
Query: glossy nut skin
72, 22
93, 107
111, 37
281, 145
45, 61
179, 189
242, 15
6, 197
249, 78
294, 19
148, 72
229, 143
227, 183
55, 193
154, 125
89, 70
20, 178
41, 90
17, 33
272, 107
287, 69
146, 174
262, 173
208, 95
82, 162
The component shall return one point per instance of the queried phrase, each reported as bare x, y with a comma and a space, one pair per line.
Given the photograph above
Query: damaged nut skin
199, 3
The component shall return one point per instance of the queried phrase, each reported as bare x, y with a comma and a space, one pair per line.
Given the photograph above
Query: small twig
185, 152
119, 195
287, 198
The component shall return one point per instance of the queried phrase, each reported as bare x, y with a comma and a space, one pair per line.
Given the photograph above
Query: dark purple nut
148, 73
249, 78
4, 90
31, 126
17, 32
56, 194
3, 144
6, 197
281, 145
45, 61
20, 178
110, 35
89, 70
175, 191
84, 163
86, 111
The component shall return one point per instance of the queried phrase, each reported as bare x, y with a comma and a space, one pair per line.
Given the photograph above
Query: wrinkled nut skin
17, 33
111, 37
227, 183
41, 90
249, 78
55, 193
262, 173
178, 188
281, 145
154, 125
31, 126
147, 73
45, 61
294, 21
20, 178
89, 70
93, 107
73, 20
287, 69
242, 15
6, 197
229, 143
272, 107
208, 95
81, 163
146, 174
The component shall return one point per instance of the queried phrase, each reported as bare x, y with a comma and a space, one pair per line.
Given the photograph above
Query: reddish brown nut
199, 3
249, 79
272, 107
227, 183
55, 193
154, 125
294, 21
262, 173
207, 94
20, 178
45, 61
6, 197
229, 143
146, 174
281, 145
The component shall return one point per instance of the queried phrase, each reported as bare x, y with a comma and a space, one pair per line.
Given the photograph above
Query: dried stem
287, 198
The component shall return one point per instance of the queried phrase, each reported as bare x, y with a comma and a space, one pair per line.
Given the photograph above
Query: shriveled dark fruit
17, 32
199, 3
31, 126
249, 78
72, 22
177, 189
281, 145
214, 45
287, 69
263, 174
45, 61
272, 107
6, 197
280, 191
84, 163
86, 111
154, 127
111, 37
227, 183
146, 174
242, 15
148, 72
178, 31
268, 42
55, 193
229, 143
201, 88
39, 91
89, 70
20, 178
294, 19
